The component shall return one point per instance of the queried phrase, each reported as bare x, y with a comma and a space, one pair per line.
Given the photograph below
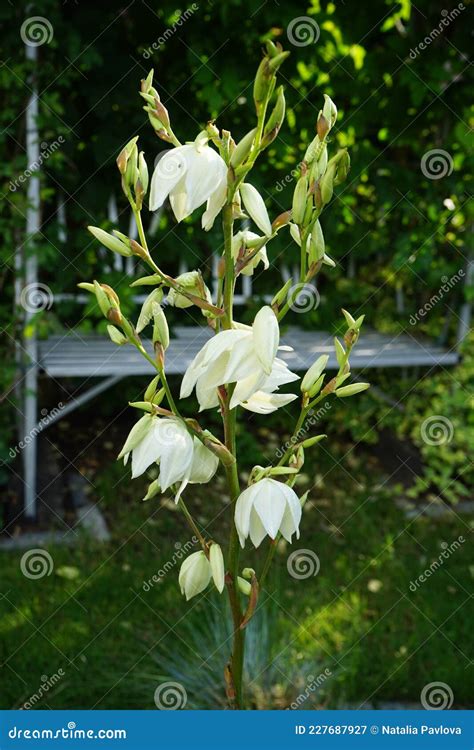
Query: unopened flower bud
244, 586
276, 118
116, 336
125, 154
329, 110
111, 242
161, 334
299, 200
143, 172
147, 311
351, 390
316, 244
282, 294
322, 127
151, 389
242, 150
309, 442
314, 372
216, 561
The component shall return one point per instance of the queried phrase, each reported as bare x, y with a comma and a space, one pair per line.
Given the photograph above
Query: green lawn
92, 619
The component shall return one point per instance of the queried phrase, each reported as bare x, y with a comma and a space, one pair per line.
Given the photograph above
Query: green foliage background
390, 228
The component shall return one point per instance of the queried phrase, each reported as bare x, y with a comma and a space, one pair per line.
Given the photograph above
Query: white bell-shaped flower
194, 574
166, 441
245, 356
190, 175
266, 508
240, 251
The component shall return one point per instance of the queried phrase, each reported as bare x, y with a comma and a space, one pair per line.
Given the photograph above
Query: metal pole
30, 281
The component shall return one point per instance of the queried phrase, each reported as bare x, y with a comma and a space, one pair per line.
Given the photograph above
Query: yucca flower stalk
239, 367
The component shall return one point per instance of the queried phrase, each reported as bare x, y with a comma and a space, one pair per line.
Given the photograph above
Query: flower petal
255, 206
269, 502
266, 337
168, 172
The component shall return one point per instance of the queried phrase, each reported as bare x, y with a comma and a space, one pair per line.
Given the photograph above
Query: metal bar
31, 280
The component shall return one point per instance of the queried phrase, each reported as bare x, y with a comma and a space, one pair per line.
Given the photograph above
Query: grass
115, 641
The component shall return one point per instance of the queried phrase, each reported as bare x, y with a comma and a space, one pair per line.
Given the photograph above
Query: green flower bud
161, 334
242, 150
147, 311
143, 172
340, 352
151, 389
316, 243
125, 155
312, 441
299, 199
276, 118
110, 242
116, 336
314, 373
244, 586
329, 110
351, 390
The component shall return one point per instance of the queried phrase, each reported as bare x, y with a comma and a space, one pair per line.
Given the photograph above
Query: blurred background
390, 489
